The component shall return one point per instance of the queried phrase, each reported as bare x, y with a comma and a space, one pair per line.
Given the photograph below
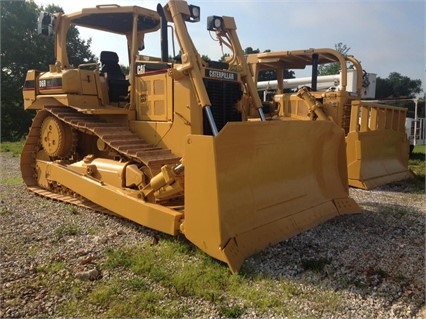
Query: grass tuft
233, 311
66, 229
5, 211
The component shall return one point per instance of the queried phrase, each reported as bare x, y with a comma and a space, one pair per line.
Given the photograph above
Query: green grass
177, 266
12, 147
417, 164
179, 271
420, 149
11, 181
52, 267
174, 273
15, 148
131, 298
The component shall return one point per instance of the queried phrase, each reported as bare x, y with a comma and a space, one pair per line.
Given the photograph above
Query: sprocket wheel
56, 137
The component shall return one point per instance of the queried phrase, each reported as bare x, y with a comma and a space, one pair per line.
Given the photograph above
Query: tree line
22, 49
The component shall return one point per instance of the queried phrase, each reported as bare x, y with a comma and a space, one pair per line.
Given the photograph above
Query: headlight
195, 13
214, 23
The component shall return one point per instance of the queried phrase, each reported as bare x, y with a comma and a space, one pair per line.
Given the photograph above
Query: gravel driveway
375, 260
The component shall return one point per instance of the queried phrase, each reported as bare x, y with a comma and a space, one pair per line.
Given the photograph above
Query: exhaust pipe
314, 71
164, 38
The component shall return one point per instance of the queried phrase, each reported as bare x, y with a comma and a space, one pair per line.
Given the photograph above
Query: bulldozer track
117, 137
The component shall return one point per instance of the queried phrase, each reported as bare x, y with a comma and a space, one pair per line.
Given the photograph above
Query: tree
250, 50
334, 68
397, 86
205, 58
22, 50
16, 18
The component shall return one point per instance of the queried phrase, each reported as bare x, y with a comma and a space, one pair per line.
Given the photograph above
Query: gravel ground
374, 260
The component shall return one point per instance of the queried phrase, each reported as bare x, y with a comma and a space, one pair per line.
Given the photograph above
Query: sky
385, 35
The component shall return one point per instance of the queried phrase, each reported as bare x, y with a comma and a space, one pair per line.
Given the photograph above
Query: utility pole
416, 101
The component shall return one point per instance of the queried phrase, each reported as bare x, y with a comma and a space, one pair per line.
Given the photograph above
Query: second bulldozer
170, 146
377, 147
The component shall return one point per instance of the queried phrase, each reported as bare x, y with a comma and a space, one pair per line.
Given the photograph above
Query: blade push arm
178, 12
226, 33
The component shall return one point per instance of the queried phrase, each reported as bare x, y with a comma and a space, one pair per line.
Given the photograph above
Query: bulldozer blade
258, 183
377, 158
377, 145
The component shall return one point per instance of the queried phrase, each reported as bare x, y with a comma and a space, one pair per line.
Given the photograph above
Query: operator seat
118, 86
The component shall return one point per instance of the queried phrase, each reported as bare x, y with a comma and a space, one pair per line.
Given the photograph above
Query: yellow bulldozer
170, 146
377, 147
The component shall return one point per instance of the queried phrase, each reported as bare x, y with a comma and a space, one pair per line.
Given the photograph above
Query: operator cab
118, 85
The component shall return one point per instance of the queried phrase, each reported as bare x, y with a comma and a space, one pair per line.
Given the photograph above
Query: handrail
367, 117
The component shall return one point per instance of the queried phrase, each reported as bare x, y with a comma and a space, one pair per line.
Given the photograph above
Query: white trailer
418, 126
327, 82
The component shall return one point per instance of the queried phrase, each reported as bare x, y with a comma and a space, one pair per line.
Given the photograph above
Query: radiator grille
223, 96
